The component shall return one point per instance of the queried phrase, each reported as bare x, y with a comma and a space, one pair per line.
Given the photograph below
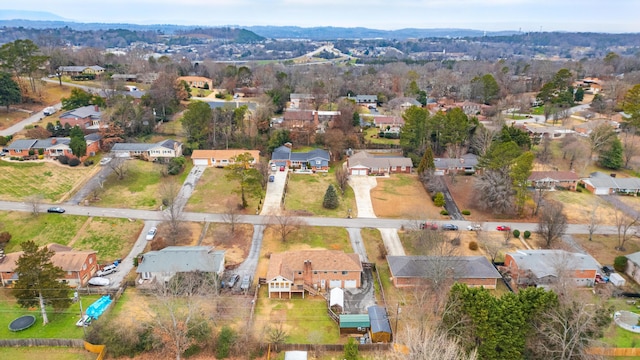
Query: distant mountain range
41, 20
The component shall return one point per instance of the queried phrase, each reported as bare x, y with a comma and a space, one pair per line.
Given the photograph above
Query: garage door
200, 162
335, 284
350, 284
358, 172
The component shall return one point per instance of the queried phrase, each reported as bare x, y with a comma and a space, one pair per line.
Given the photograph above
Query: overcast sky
528, 15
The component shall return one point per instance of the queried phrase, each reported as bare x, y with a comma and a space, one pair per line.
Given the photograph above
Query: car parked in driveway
105, 161
56, 209
233, 280
281, 168
151, 233
272, 178
107, 270
503, 228
451, 227
246, 282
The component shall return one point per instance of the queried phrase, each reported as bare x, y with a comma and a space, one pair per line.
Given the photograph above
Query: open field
214, 193
602, 247
578, 206
48, 94
48, 178
140, 189
61, 325
44, 229
46, 353
402, 196
111, 238
371, 135
305, 193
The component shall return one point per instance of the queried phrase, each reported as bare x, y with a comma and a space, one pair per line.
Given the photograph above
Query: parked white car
152, 233
109, 269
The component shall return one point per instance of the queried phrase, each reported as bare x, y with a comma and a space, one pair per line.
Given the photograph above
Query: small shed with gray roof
380, 326
407, 271
163, 264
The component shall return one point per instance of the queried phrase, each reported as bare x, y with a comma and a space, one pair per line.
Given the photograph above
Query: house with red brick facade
294, 272
544, 267
364, 163
52, 147
551, 179
315, 160
88, 118
411, 271
78, 265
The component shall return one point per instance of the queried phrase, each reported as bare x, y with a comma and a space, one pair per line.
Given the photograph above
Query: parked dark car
449, 227
272, 178
56, 209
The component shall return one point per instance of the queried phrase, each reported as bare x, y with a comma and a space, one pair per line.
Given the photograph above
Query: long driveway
35, 117
275, 190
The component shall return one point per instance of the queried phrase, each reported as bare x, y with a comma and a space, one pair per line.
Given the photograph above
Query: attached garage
358, 172
350, 284
335, 284
200, 162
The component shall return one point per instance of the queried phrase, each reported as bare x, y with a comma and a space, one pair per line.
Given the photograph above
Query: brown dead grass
402, 196
579, 206
602, 247
236, 246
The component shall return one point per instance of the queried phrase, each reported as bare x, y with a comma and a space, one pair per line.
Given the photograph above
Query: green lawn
140, 189
23, 179
61, 325
305, 193
111, 238
43, 229
45, 353
538, 110
371, 135
332, 238
213, 184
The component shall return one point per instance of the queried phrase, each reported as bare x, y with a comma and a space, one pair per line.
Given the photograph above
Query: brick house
551, 179
199, 82
52, 147
466, 164
88, 118
81, 70
363, 163
315, 160
221, 158
294, 272
544, 267
600, 183
388, 123
410, 271
78, 266
301, 101
160, 151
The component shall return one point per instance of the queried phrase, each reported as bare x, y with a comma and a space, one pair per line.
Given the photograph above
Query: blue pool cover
97, 308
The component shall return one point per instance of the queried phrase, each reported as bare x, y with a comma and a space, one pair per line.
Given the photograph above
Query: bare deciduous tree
491, 248
119, 166
495, 191
430, 344
173, 210
231, 215
285, 225
276, 334
624, 223
538, 196
34, 202
594, 220
342, 178
263, 169
600, 137
629, 147
552, 222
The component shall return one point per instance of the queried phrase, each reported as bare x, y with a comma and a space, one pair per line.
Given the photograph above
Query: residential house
467, 164
388, 123
315, 160
199, 82
125, 77
160, 151
301, 101
221, 158
296, 119
380, 326
364, 163
78, 265
162, 265
248, 92
545, 267
633, 266
542, 131
81, 70
294, 272
551, 179
368, 101
600, 183
586, 128
402, 103
88, 118
51, 148
410, 271
590, 85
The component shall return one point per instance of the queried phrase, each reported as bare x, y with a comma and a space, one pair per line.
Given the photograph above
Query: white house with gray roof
160, 151
633, 266
467, 164
600, 183
164, 264
544, 267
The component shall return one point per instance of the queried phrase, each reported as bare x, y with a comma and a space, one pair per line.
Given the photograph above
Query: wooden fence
614, 351
42, 342
331, 347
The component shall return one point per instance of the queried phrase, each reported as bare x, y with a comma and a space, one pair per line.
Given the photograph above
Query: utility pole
395, 330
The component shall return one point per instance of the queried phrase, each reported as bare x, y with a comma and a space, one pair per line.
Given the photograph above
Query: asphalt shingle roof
546, 262
464, 267
182, 259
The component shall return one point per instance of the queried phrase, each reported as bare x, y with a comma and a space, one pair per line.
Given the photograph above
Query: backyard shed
616, 279
380, 327
295, 355
354, 323
336, 297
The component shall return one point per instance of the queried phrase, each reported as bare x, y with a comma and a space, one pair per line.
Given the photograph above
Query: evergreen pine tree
611, 156
331, 200
427, 162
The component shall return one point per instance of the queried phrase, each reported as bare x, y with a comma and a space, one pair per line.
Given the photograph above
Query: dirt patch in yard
402, 196
236, 245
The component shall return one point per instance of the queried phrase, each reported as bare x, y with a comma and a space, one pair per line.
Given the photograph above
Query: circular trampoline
23, 322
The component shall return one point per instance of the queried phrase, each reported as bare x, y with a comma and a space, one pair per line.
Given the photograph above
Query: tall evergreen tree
9, 91
611, 156
427, 161
331, 200
77, 143
38, 283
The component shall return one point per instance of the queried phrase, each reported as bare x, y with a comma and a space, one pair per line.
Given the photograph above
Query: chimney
96, 108
307, 278
54, 141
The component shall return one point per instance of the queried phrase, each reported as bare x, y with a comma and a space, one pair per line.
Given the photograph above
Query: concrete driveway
362, 186
275, 190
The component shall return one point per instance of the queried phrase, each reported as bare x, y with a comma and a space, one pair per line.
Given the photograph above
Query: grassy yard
602, 247
402, 196
305, 193
371, 135
140, 189
23, 179
45, 353
578, 206
61, 325
213, 191
44, 229
111, 238
305, 320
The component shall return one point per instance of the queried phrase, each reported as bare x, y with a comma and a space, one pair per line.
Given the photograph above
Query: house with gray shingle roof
86, 117
633, 266
408, 271
316, 160
365, 163
81, 70
600, 183
51, 147
164, 264
160, 151
467, 164
544, 267
551, 179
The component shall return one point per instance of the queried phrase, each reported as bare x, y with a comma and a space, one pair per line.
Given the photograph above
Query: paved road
275, 190
187, 187
35, 117
355, 237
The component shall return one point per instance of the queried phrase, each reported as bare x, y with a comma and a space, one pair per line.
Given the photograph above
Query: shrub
466, 212
455, 241
88, 162
40, 157
438, 199
351, 350
5, 236
176, 165
63, 159
579, 190
40, 151
32, 152
473, 246
527, 234
444, 212
225, 340
516, 233
74, 161
620, 263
